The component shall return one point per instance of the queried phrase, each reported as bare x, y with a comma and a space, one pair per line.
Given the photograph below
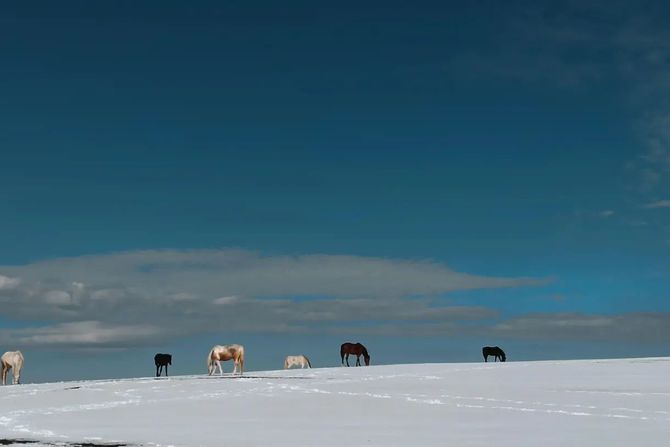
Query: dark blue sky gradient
500, 140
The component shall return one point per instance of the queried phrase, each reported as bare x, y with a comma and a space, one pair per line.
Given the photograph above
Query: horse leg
166, 374
218, 363
347, 359
4, 374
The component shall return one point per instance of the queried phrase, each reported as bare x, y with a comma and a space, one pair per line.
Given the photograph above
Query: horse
12, 360
162, 360
356, 349
301, 360
495, 351
222, 353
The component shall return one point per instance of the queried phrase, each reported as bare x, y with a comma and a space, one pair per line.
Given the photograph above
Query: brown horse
356, 349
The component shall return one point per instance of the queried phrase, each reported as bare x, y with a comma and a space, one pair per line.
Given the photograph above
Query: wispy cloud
629, 327
575, 44
632, 327
657, 204
654, 164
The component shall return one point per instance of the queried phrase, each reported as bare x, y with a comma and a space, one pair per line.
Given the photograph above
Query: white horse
222, 353
12, 360
297, 360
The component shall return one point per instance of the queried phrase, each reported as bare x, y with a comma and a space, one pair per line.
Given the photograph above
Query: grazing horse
356, 349
495, 351
300, 360
12, 360
162, 360
222, 353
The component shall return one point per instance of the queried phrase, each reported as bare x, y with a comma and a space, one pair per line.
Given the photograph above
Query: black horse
356, 349
162, 360
495, 351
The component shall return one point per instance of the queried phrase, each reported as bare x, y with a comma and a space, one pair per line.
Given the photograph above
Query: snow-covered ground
552, 403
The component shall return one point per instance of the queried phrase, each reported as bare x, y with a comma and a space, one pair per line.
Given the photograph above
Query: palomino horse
495, 351
12, 360
162, 360
222, 353
297, 360
356, 349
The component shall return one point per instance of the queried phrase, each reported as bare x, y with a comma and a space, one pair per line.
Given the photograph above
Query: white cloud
7, 282
182, 292
215, 273
57, 297
80, 333
226, 300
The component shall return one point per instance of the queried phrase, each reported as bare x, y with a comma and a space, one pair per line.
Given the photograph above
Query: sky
423, 177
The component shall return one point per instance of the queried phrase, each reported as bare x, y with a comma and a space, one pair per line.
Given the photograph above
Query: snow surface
551, 403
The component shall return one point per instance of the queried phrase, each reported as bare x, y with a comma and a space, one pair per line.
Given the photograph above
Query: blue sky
399, 173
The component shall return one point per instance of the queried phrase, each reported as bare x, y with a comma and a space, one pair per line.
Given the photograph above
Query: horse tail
210, 361
308, 362
286, 363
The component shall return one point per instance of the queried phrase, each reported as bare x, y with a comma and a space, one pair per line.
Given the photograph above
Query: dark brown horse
162, 360
356, 349
495, 351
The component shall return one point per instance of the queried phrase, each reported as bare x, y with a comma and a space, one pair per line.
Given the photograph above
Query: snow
551, 403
